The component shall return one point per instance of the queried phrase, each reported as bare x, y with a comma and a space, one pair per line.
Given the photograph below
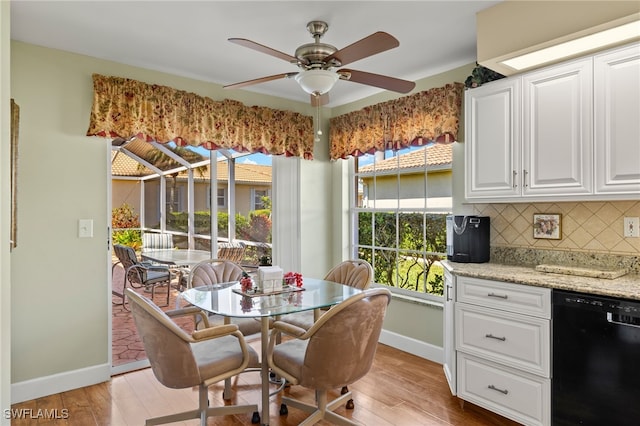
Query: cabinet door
449, 364
617, 121
557, 135
492, 145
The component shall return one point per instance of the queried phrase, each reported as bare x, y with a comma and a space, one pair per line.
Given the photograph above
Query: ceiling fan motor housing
311, 56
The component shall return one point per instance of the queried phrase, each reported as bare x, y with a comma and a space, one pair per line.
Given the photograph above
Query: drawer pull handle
491, 336
499, 296
502, 391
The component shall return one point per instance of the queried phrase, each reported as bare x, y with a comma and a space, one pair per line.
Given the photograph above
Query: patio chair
231, 251
141, 274
336, 351
180, 360
155, 241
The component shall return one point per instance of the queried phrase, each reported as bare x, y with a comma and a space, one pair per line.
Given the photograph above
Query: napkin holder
270, 279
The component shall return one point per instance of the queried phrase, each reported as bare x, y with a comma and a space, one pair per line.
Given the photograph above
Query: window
222, 198
399, 212
259, 202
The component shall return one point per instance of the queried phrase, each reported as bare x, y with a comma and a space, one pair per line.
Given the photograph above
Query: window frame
355, 212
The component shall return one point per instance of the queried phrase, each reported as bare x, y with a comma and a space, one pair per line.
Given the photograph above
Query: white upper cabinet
492, 147
617, 121
568, 132
557, 138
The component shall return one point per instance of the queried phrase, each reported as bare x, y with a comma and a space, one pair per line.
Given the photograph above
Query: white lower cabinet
503, 348
512, 393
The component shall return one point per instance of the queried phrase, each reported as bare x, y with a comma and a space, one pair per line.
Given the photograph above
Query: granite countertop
626, 286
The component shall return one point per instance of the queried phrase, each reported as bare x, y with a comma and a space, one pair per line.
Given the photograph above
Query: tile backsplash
590, 227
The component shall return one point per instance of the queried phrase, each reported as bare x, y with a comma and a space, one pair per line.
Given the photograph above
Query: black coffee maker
468, 239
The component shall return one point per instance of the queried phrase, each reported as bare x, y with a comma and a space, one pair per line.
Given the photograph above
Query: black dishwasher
596, 360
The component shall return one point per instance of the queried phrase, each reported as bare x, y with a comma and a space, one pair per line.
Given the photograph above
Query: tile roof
437, 155
124, 165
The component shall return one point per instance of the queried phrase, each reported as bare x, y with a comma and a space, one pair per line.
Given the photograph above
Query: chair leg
168, 291
124, 294
203, 404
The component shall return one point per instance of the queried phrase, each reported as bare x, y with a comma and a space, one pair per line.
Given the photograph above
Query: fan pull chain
318, 130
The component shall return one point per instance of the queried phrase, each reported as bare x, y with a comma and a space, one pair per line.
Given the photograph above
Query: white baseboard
56, 383
412, 346
130, 366
62, 382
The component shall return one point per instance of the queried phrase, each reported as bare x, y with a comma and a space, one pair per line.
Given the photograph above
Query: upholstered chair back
166, 345
356, 273
215, 271
344, 341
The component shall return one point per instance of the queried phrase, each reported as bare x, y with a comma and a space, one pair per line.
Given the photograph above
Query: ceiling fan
317, 62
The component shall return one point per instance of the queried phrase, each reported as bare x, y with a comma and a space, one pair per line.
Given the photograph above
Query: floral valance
425, 117
126, 108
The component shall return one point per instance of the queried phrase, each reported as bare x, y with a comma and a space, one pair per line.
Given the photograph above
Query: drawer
517, 395
522, 299
518, 341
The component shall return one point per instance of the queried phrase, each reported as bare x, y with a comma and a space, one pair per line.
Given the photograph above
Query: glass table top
222, 299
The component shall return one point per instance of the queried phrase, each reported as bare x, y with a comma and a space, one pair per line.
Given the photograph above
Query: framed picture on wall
547, 226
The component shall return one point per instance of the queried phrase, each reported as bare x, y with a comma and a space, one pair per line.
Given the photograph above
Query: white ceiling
190, 38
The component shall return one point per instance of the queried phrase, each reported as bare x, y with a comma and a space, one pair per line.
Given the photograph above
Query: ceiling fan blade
377, 80
264, 49
319, 100
260, 80
368, 46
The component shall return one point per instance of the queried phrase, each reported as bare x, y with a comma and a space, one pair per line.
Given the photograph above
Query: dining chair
355, 273
216, 271
141, 274
180, 360
336, 351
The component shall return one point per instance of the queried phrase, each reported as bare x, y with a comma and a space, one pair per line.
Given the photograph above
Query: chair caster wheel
349, 405
255, 418
284, 410
344, 390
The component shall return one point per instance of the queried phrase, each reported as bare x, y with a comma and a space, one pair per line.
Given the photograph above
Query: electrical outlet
631, 227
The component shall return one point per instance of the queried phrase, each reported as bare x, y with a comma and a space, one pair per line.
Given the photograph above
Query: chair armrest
190, 311
289, 329
146, 267
213, 332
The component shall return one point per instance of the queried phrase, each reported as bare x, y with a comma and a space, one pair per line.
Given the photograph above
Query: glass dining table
227, 299
176, 257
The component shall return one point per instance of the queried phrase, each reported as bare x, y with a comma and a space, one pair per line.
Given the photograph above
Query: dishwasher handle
621, 319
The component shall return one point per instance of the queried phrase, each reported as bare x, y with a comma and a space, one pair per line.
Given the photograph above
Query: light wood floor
400, 389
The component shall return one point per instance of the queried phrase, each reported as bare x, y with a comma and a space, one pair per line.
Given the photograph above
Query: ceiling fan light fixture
317, 82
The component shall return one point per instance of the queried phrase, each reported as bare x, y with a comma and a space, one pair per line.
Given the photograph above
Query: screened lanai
197, 195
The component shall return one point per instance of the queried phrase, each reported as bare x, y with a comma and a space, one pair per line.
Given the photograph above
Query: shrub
123, 217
